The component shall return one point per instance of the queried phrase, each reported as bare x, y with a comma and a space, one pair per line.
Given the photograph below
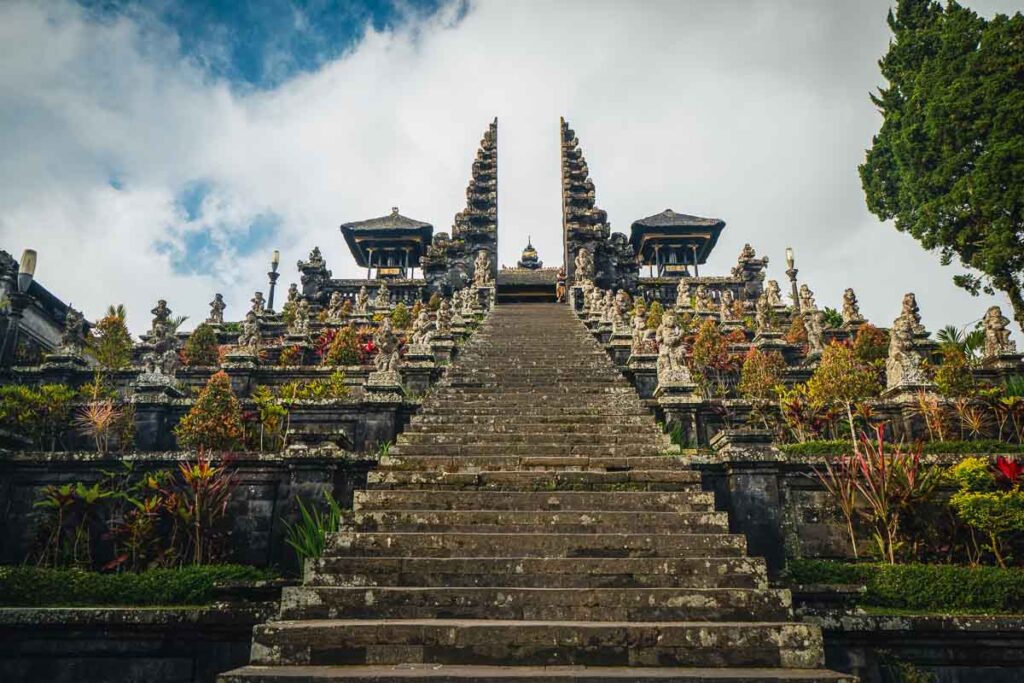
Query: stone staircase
527, 527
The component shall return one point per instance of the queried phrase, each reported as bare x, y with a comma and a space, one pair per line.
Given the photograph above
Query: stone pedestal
485, 296
642, 368
61, 367
1008, 360
603, 332
153, 397
443, 348
576, 299
679, 400
418, 368
619, 348
384, 387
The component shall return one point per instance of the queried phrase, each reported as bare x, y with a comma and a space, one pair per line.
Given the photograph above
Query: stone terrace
528, 527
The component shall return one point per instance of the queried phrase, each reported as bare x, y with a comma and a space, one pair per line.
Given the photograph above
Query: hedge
931, 587
24, 586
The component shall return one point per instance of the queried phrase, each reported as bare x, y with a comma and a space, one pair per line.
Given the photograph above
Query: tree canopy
948, 161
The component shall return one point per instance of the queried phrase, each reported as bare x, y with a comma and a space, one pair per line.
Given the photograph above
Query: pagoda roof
392, 230
670, 219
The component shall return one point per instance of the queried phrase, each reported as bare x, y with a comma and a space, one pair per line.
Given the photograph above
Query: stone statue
643, 338
217, 307
482, 270
443, 323
813, 323
726, 307
911, 311
72, 338
161, 319
293, 293
683, 294
997, 336
851, 309
362, 302
249, 337
259, 305
470, 303
764, 312
608, 307
421, 328
774, 294
386, 341
807, 300
316, 259
702, 300
335, 308
671, 366
383, 298
584, 266
623, 303
300, 322
903, 366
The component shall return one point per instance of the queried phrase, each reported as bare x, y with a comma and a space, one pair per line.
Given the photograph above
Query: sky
164, 149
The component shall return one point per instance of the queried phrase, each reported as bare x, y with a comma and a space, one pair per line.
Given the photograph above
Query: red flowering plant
1008, 472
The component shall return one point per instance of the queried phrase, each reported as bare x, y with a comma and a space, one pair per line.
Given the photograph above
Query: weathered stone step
454, 673
525, 480
519, 437
468, 463
467, 544
592, 424
459, 641
550, 449
653, 501
538, 411
557, 604
540, 572
520, 521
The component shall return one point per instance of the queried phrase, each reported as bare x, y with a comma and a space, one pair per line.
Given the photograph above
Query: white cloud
753, 112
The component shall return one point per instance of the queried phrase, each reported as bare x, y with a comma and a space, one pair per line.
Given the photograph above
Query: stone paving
527, 526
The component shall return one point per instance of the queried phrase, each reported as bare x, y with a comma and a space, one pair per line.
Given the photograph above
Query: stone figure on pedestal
249, 337
336, 308
773, 294
997, 335
300, 321
851, 309
807, 300
482, 270
259, 305
362, 302
386, 341
383, 298
584, 265
903, 367
72, 338
702, 300
217, 307
672, 368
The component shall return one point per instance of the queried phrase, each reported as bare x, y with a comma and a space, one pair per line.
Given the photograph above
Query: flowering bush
990, 500
215, 420
201, 348
343, 348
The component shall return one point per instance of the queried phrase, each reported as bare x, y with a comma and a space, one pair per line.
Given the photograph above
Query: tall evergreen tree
948, 162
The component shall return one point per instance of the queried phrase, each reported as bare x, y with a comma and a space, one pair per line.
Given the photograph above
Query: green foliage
344, 348
935, 587
761, 374
271, 420
870, 344
840, 447
308, 536
654, 315
832, 318
290, 355
841, 378
215, 420
797, 332
400, 317
316, 389
970, 343
990, 500
39, 587
201, 348
41, 414
947, 163
110, 343
953, 377
711, 361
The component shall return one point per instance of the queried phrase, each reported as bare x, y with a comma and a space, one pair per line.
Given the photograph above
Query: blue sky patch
262, 43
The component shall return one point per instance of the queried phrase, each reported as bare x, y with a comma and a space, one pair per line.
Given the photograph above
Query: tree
948, 161
761, 374
201, 347
111, 344
842, 378
215, 420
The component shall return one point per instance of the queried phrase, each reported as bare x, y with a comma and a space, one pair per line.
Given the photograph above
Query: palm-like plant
117, 311
970, 342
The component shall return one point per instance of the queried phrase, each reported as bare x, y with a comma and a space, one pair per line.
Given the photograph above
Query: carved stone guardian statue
672, 368
807, 300
482, 270
774, 294
584, 266
335, 308
903, 367
383, 299
727, 307
851, 309
249, 338
217, 307
703, 303
72, 338
299, 326
912, 312
362, 306
997, 336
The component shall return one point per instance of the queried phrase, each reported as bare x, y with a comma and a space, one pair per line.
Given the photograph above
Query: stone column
418, 368
156, 414
642, 368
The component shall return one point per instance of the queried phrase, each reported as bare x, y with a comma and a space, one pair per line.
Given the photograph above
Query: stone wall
268, 485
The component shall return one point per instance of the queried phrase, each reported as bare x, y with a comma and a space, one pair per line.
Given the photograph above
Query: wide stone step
539, 572
494, 463
459, 641
563, 522
468, 544
474, 437
526, 480
592, 424
449, 673
536, 449
556, 604
652, 501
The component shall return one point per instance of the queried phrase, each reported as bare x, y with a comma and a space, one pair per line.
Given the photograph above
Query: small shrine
670, 243
529, 260
391, 245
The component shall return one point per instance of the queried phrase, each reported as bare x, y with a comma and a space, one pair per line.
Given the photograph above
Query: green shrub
35, 587
400, 317
111, 343
833, 447
343, 348
201, 348
215, 420
308, 536
41, 414
938, 587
